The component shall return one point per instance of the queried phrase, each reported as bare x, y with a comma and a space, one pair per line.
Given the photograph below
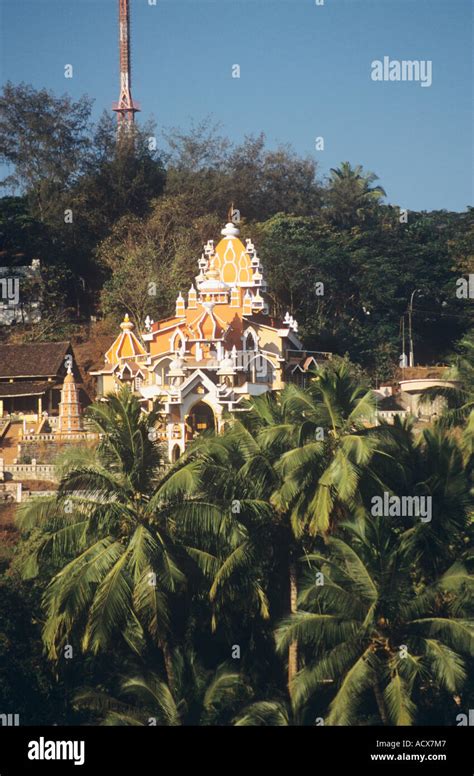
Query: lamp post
410, 329
403, 357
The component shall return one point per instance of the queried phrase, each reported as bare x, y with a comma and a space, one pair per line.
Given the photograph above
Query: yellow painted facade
220, 347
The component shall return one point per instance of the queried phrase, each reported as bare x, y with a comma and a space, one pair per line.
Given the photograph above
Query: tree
107, 531
197, 696
211, 173
46, 139
146, 261
351, 196
430, 464
23, 238
321, 477
227, 520
27, 681
284, 481
121, 179
368, 629
458, 398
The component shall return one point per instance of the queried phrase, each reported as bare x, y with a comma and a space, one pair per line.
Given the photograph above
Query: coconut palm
431, 464
369, 628
198, 696
264, 714
351, 195
109, 534
459, 397
288, 484
231, 529
321, 478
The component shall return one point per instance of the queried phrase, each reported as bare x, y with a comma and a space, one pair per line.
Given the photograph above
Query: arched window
250, 340
178, 343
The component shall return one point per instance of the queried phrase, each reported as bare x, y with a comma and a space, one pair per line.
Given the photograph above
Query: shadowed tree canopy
212, 172
45, 139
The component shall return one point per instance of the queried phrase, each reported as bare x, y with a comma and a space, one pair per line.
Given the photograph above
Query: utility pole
410, 328
125, 108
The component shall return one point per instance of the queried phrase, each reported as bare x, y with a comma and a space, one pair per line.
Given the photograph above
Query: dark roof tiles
33, 359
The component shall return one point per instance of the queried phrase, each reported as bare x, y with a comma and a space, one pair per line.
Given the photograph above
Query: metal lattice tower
125, 107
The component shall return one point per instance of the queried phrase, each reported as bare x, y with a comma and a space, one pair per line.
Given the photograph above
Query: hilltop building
220, 347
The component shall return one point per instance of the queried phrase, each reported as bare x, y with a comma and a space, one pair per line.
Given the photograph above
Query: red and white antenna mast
125, 108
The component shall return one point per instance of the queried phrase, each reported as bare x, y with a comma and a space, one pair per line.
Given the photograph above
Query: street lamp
403, 357
410, 329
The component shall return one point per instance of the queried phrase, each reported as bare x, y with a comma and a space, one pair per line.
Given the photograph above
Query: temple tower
70, 410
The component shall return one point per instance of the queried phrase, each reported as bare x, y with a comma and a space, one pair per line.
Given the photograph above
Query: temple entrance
201, 419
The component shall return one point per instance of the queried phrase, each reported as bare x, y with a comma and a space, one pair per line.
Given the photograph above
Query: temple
220, 347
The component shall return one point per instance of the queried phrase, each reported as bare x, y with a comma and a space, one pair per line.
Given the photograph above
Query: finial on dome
126, 324
230, 229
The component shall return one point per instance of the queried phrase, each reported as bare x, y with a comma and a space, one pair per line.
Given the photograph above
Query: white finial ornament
230, 230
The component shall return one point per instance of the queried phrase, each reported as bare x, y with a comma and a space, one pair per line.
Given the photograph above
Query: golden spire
230, 212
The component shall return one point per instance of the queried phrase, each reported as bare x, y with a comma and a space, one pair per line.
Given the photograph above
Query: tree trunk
381, 704
293, 648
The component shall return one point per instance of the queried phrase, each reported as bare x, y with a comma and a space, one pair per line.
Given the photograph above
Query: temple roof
126, 345
33, 359
24, 389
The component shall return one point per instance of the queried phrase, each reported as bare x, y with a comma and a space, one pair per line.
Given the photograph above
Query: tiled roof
33, 359
24, 389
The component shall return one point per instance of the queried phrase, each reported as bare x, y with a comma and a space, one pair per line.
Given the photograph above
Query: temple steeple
70, 410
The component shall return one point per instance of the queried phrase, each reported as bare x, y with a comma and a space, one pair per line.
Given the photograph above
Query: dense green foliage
149, 203
251, 583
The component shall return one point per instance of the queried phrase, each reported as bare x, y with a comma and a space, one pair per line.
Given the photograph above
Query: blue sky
305, 72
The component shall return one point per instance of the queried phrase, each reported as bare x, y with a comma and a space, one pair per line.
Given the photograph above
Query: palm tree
371, 629
351, 195
198, 696
459, 399
432, 464
264, 713
320, 479
227, 521
109, 533
289, 486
